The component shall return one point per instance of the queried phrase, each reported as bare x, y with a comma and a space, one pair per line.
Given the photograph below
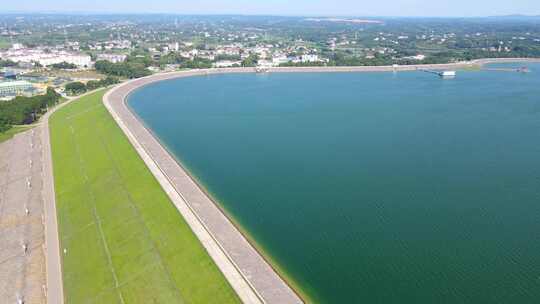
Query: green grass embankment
11, 132
125, 241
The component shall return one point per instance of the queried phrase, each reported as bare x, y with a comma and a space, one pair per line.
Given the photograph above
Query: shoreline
121, 112
280, 271
397, 68
246, 271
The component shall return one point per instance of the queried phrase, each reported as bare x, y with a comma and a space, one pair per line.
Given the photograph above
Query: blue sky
286, 7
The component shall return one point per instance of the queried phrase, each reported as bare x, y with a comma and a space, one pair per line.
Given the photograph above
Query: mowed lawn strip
125, 241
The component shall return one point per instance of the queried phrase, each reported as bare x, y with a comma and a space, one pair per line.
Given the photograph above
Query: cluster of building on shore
232, 54
274, 61
46, 56
29, 57
16, 81
10, 89
13, 84
20, 80
268, 54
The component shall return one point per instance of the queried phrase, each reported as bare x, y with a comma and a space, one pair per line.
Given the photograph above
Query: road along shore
252, 277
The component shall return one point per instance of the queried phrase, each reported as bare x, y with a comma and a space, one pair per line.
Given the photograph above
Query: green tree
25, 110
64, 66
250, 61
95, 84
7, 63
131, 69
75, 88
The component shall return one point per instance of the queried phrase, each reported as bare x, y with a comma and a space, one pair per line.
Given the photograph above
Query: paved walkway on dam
247, 271
22, 236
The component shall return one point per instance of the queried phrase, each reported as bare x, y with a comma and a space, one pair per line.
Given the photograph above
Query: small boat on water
448, 74
442, 74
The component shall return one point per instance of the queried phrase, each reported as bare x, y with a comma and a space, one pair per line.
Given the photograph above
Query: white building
309, 58
114, 58
418, 57
17, 46
227, 63
46, 58
277, 60
265, 63
174, 46
76, 59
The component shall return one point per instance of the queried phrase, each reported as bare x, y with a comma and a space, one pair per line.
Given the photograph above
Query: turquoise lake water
371, 187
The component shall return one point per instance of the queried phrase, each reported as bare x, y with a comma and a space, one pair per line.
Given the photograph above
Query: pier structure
522, 69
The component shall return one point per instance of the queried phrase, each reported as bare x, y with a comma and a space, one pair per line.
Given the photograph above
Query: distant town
63, 51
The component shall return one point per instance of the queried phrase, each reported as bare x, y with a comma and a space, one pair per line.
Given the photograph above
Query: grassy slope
11, 132
125, 240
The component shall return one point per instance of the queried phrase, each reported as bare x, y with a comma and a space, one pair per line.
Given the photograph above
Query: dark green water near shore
371, 187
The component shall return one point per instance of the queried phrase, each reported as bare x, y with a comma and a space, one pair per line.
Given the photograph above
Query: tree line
77, 88
64, 66
204, 63
7, 63
25, 110
132, 68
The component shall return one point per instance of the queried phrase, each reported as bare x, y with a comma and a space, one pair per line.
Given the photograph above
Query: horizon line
140, 13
